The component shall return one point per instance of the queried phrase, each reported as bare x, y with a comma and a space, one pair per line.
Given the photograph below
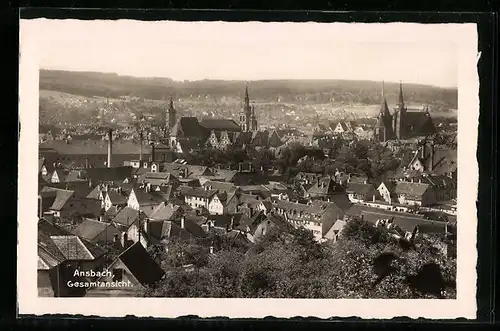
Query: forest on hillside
295, 91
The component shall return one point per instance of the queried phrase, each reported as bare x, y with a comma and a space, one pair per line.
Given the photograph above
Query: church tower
399, 115
253, 121
384, 126
171, 117
246, 117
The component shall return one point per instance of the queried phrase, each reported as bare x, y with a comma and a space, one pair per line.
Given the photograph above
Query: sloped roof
359, 188
46, 260
220, 124
117, 198
148, 198
243, 138
108, 174
46, 228
417, 119
221, 186
95, 147
95, 192
412, 190
164, 212
62, 198
188, 127
89, 229
48, 249
445, 161
141, 264
225, 174
325, 186
274, 139
74, 176
197, 192
72, 248
126, 216
335, 229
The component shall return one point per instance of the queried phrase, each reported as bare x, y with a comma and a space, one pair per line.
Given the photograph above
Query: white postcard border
464, 35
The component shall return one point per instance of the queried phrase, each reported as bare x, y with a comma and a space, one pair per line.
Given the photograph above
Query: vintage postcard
247, 169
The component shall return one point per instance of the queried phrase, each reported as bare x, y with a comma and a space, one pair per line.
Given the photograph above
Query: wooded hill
295, 91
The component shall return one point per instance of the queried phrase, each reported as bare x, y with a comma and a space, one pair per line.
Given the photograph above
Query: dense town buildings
138, 196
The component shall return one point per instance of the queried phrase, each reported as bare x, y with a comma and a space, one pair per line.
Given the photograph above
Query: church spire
401, 99
384, 109
247, 99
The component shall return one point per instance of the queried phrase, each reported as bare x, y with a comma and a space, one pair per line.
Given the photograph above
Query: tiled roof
359, 188
197, 192
148, 198
325, 186
94, 194
72, 248
62, 198
412, 190
188, 127
226, 175
406, 221
126, 216
335, 229
95, 147
97, 175
117, 198
141, 265
46, 228
220, 124
74, 176
89, 229
221, 186
164, 212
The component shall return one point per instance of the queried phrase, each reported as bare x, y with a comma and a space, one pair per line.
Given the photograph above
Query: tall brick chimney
110, 147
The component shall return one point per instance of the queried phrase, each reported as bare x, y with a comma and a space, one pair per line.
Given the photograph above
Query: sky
249, 51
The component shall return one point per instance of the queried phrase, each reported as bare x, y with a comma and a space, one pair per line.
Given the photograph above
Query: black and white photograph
271, 161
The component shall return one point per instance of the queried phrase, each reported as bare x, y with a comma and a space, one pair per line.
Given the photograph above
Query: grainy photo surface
249, 160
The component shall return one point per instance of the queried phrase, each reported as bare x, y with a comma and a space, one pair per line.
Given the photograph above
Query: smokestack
110, 147
431, 163
86, 162
140, 151
153, 152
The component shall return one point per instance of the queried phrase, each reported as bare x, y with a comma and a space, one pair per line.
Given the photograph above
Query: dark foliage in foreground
365, 263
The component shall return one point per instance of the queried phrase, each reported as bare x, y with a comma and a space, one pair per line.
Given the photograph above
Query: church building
170, 118
402, 123
248, 121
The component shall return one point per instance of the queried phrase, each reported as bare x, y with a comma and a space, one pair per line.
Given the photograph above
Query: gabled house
115, 199
335, 231
415, 193
318, 217
96, 231
134, 268
144, 201
223, 203
60, 253
386, 190
324, 188
197, 197
359, 192
64, 204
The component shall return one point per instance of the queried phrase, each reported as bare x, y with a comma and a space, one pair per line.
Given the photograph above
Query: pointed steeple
401, 103
401, 100
384, 109
247, 99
